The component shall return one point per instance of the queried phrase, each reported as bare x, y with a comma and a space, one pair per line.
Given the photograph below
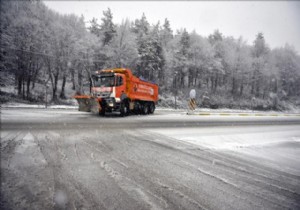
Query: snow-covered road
278, 146
64, 159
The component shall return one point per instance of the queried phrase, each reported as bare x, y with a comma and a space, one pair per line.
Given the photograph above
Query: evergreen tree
158, 60
260, 47
166, 33
259, 53
182, 58
151, 58
141, 27
95, 27
107, 27
215, 37
184, 43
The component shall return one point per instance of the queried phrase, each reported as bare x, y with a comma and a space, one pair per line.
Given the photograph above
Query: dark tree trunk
33, 84
54, 88
79, 82
19, 85
212, 80
28, 88
207, 82
62, 93
257, 88
233, 88
195, 79
252, 84
216, 82
275, 86
35, 75
73, 79
241, 88
23, 88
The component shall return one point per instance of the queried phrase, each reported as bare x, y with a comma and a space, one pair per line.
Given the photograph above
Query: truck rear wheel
145, 108
151, 108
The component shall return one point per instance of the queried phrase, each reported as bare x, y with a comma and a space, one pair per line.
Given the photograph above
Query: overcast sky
278, 20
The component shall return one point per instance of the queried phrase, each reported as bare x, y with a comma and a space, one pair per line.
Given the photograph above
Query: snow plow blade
88, 104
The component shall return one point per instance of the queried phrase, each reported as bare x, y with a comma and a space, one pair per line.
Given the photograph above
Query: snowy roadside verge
230, 112
37, 106
199, 111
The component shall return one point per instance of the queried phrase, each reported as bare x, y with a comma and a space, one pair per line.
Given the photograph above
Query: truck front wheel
102, 112
124, 108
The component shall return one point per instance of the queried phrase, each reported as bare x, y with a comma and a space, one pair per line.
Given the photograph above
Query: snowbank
37, 106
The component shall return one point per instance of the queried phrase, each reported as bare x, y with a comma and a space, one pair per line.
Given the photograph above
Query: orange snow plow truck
119, 90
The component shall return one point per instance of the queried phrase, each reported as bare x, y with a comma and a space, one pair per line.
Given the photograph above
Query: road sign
192, 101
193, 93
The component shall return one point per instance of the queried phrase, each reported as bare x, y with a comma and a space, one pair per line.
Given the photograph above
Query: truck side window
119, 81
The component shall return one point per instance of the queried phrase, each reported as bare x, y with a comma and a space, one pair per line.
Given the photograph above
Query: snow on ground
234, 138
27, 153
197, 111
37, 106
52, 167
278, 146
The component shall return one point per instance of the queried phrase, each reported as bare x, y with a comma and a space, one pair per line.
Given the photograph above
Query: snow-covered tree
123, 49
107, 27
166, 33
94, 27
260, 53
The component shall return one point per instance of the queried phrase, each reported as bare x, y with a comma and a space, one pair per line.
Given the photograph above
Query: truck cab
111, 89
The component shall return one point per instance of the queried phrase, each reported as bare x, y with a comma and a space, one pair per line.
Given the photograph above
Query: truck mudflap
88, 104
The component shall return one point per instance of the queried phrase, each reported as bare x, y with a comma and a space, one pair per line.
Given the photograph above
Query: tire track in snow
99, 153
67, 191
278, 189
260, 196
264, 188
8, 150
133, 189
10, 139
127, 184
181, 195
240, 165
5, 135
27, 170
141, 170
178, 189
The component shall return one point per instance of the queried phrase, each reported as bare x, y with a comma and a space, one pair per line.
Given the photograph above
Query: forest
41, 48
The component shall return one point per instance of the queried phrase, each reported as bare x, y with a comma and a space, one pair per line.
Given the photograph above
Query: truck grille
103, 94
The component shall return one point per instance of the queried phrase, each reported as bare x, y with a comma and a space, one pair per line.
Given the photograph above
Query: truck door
120, 86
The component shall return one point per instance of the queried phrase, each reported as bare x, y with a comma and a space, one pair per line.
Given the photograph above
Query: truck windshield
107, 81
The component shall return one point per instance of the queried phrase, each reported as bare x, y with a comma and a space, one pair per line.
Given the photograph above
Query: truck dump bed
136, 88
